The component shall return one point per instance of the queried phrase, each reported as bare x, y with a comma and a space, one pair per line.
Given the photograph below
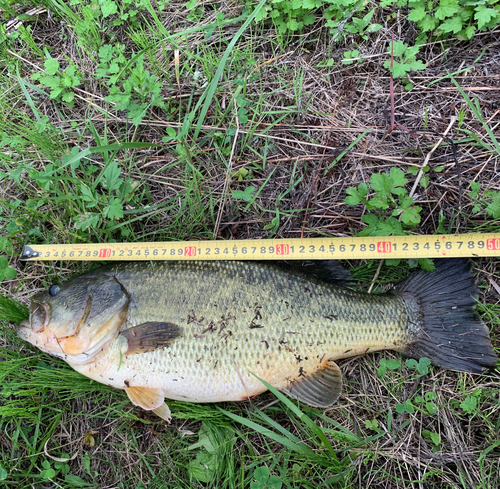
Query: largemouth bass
204, 331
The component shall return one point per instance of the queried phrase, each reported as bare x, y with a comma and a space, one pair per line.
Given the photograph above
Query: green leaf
108, 7
451, 25
51, 81
3, 473
203, 468
483, 15
493, 208
426, 264
436, 438
73, 158
398, 177
469, 404
469, 32
76, 481
240, 174
371, 424
68, 98
428, 23
417, 14
424, 182
112, 180
51, 66
411, 215
393, 364
423, 365
411, 363
245, 195
106, 53
88, 196
446, 9
399, 70
9, 273
406, 407
206, 440
356, 195
475, 189
373, 28
398, 48
242, 115
416, 65
114, 210
55, 93
261, 474
381, 182
87, 220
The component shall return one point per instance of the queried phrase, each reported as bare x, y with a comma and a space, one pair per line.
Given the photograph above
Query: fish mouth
25, 323
39, 316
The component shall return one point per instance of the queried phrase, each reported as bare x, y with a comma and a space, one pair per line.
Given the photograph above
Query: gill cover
79, 316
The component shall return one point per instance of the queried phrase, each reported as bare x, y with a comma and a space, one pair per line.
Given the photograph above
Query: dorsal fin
150, 336
329, 271
319, 389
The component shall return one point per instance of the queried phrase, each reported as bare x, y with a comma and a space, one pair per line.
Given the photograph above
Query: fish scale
236, 320
202, 331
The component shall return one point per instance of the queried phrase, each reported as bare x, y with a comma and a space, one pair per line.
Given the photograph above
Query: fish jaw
78, 348
46, 342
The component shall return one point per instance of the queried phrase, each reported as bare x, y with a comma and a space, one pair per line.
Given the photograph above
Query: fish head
75, 320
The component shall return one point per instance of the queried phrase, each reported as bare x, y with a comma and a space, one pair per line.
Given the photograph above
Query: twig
375, 277
228, 176
429, 154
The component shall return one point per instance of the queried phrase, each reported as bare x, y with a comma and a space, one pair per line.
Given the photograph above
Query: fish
210, 331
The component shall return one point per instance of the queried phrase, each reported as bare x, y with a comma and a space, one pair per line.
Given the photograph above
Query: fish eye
54, 289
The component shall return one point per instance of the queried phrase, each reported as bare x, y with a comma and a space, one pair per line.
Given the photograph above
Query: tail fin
452, 335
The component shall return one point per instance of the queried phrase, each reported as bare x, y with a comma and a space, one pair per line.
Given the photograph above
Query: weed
403, 60
245, 195
139, 92
217, 443
60, 82
351, 56
390, 196
6, 272
263, 479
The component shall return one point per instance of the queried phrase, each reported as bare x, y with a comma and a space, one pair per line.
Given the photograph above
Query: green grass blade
476, 110
283, 440
12, 310
210, 91
302, 416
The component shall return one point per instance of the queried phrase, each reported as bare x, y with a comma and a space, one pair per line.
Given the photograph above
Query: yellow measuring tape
435, 246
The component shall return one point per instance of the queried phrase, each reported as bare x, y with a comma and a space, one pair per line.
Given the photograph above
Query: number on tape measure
276, 249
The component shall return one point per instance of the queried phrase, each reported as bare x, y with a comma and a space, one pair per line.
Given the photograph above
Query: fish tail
451, 334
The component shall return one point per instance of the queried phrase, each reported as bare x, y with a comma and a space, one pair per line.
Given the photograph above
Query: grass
177, 123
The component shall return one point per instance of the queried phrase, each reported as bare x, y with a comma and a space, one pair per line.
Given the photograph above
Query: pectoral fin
145, 397
320, 388
149, 400
164, 412
150, 336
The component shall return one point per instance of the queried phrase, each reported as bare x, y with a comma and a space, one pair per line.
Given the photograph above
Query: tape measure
436, 246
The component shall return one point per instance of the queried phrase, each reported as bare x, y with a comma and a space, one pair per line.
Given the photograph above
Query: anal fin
150, 336
320, 388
